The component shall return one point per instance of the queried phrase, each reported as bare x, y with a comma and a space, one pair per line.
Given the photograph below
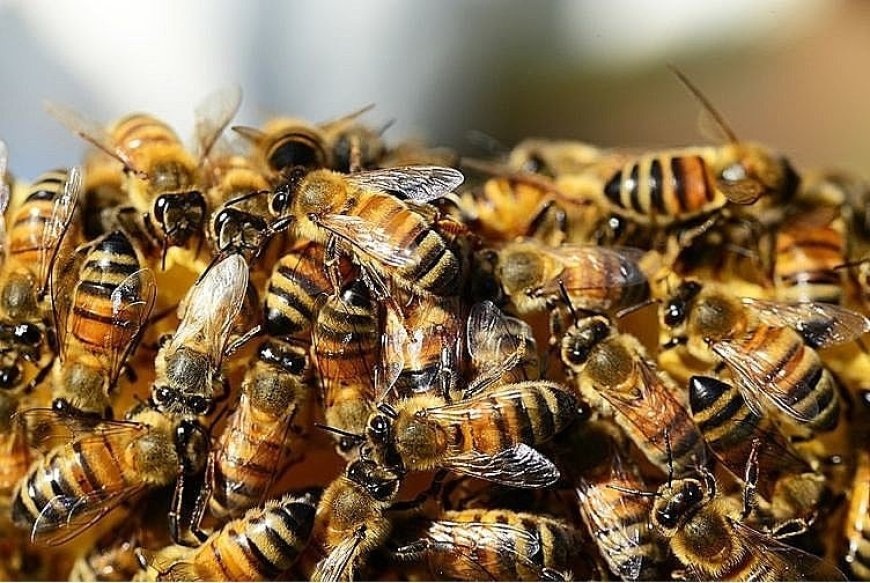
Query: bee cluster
305, 353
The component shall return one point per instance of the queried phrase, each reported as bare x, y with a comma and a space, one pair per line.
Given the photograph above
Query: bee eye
379, 426
28, 334
198, 404
666, 518
9, 375
734, 172
578, 354
346, 444
294, 364
160, 206
382, 491
675, 313
162, 395
280, 201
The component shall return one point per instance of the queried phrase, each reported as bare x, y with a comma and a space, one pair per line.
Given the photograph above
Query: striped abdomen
556, 541
785, 357
664, 188
591, 282
531, 413
435, 267
92, 321
26, 234
155, 148
288, 143
297, 281
257, 547
807, 257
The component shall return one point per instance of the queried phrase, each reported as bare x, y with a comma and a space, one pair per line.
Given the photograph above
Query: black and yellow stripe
806, 261
26, 234
297, 281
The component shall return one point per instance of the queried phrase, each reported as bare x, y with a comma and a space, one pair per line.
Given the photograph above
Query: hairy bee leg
202, 502
434, 491
750, 480
236, 344
332, 263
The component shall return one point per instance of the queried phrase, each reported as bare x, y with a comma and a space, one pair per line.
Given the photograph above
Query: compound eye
346, 444
280, 201
294, 364
675, 313
162, 395
9, 376
578, 354
28, 334
666, 518
198, 404
160, 206
379, 426
383, 491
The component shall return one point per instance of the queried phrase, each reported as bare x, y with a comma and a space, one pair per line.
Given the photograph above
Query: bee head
582, 337
234, 227
180, 215
678, 305
676, 502
380, 482
172, 400
521, 268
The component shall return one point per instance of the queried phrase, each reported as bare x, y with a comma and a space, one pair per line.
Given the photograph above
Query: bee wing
335, 566
601, 260
369, 237
213, 115
4, 196
212, 305
132, 302
394, 341
93, 133
61, 215
519, 466
820, 324
750, 370
505, 545
493, 346
46, 428
794, 564
64, 517
418, 183
744, 191
63, 286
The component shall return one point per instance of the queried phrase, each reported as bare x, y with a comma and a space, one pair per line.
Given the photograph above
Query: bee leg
791, 528
679, 575
332, 263
750, 480
244, 339
202, 502
40, 376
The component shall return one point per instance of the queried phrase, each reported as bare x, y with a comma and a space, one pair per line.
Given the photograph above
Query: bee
96, 467
489, 434
857, 523
298, 281
768, 346
351, 519
555, 157
354, 146
677, 186
706, 533
384, 234
597, 279
619, 521
103, 192
102, 299
187, 367
493, 545
737, 435
15, 452
345, 350
613, 374
259, 546
493, 338
809, 248
163, 180
260, 437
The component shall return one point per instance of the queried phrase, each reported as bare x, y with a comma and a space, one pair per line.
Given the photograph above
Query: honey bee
354, 146
737, 435
613, 374
298, 281
555, 157
260, 437
163, 179
492, 338
188, 367
351, 519
489, 434
672, 187
384, 233
102, 299
492, 545
597, 279
768, 346
706, 534
259, 546
857, 523
95, 467
345, 349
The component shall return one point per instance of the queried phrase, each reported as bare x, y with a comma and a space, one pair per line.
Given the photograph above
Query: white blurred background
787, 72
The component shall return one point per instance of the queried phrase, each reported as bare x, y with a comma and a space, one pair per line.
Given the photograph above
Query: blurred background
791, 73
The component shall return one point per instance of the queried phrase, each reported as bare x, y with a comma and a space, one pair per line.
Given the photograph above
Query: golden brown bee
298, 281
492, 545
262, 435
188, 366
676, 186
595, 278
354, 146
706, 534
259, 546
102, 299
857, 523
613, 374
618, 521
345, 350
386, 235
98, 466
285, 143
768, 346
351, 521
489, 434
492, 338
163, 180
555, 157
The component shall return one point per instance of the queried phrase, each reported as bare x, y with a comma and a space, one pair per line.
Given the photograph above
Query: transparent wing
497, 344
419, 183
65, 517
4, 196
519, 466
63, 283
46, 428
754, 381
335, 567
132, 302
62, 213
394, 342
212, 305
93, 133
369, 238
820, 324
612, 268
213, 115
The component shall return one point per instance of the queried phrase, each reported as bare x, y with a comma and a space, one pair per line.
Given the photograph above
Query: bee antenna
342, 432
388, 410
717, 117
670, 457
386, 126
564, 292
164, 250
633, 491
